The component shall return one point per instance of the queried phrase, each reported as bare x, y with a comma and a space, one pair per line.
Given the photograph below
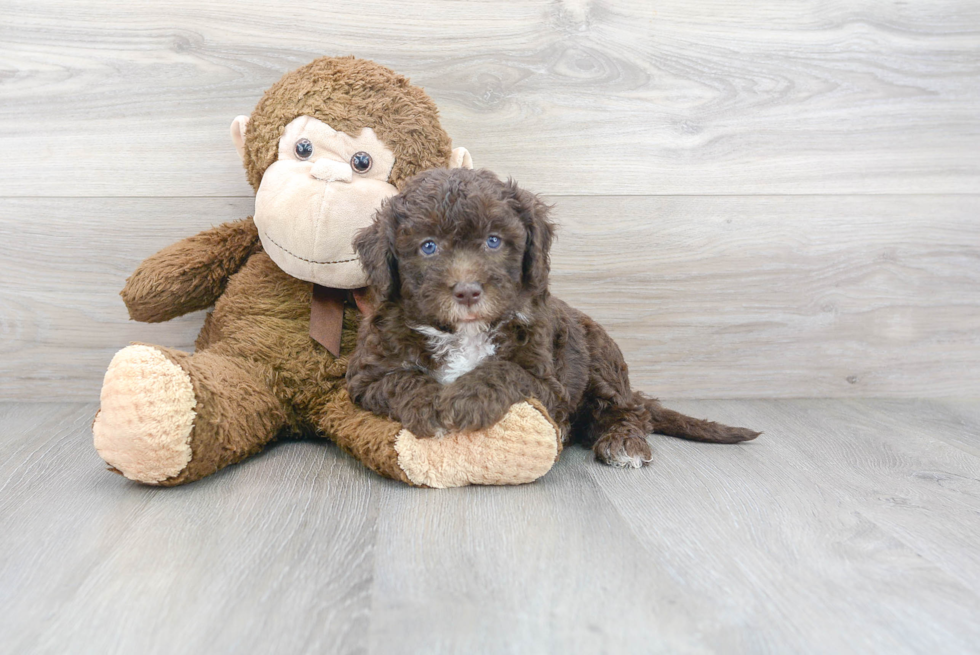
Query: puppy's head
457, 246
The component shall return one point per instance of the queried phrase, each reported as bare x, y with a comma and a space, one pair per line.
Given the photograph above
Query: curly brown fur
350, 94
465, 331
256, 373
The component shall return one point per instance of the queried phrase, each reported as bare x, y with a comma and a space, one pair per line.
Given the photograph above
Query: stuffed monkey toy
324, 147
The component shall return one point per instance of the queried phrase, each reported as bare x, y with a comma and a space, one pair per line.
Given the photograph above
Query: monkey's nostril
467, 293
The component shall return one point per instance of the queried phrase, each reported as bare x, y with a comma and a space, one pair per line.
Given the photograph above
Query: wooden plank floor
851, 526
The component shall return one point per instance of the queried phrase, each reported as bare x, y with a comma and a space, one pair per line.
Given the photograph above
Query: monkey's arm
189, 275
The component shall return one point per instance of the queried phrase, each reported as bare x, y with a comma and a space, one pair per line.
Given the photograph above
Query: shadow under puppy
465, 326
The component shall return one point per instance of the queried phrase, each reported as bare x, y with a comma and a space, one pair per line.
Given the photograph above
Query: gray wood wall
758, 199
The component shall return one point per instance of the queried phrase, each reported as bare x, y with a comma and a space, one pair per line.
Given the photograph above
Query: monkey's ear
375, 246
533, 213
238, 134
460, 158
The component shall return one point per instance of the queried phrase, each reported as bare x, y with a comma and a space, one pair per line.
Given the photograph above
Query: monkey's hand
189, 275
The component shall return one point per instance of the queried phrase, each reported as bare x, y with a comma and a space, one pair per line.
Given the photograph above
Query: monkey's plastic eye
304, 149
361, 162
428, 247
493, 242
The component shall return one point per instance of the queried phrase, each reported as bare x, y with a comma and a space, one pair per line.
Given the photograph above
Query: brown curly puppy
465, 326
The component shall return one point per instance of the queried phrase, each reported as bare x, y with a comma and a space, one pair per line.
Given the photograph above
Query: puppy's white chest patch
458, 352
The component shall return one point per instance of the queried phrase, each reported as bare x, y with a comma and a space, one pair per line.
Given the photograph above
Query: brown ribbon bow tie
327, 314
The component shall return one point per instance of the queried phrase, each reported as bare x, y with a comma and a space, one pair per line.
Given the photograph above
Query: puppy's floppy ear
375, 246
540, 233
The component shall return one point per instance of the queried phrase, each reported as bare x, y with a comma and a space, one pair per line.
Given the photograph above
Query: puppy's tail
674, 424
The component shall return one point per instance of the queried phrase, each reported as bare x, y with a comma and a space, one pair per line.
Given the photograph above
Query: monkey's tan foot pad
143, 428
520, 448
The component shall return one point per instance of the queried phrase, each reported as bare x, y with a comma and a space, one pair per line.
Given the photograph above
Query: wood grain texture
545, 568
707, 297
758, 199
63, 263
848, 527
134, 98
836, 516
781, 296
273, 556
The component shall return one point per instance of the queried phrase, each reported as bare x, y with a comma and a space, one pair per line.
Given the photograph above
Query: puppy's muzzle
467, 293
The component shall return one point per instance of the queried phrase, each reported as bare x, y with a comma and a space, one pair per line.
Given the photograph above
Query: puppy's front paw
423, 427
468, 408
624, 451
418, 412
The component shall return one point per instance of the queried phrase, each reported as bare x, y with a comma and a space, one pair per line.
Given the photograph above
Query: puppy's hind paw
630, 451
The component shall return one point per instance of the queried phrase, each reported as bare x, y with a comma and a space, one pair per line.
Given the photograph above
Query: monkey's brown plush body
169, 417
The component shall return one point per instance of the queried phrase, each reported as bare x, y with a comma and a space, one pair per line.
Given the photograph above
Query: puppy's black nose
467, 293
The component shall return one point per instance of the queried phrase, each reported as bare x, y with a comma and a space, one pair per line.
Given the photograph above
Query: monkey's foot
143, 428
520, 448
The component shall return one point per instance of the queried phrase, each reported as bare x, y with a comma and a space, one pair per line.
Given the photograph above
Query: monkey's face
324, 187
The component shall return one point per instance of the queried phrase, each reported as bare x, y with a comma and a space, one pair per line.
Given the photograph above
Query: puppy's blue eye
493, 242
429, 247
